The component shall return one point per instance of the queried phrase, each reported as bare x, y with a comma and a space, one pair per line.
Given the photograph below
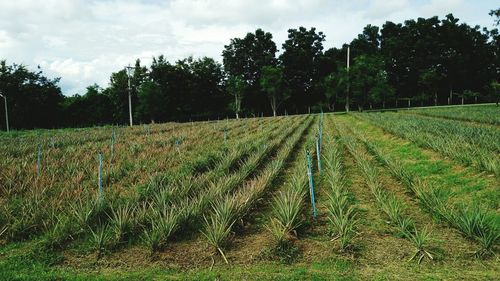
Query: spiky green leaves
121, 220
219, 223
341, 212
420, 240
287, 207
475, 223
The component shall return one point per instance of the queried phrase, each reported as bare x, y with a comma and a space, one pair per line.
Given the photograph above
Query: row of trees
420, 62
188, 89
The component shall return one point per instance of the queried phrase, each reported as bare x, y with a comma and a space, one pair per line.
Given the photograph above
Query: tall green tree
382, 91
301, 53
367, 43
207, 88
245, 57
150, 104
335, 87
271, 82
118, 91
429, 81
118, 94
236, 87
174, 83
34, 101
493, 87
369, 81
494, 91
189, 89
93, 108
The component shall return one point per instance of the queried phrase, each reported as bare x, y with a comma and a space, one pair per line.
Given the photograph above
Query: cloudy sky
83, 41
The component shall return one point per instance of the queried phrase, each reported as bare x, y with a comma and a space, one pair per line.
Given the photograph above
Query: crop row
288, 204
472, 146
488, 114
472, 221
393, 207
233, 206
342, 212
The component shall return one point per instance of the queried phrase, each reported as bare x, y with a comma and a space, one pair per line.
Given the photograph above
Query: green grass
488, 114
472, 146
464, 183
18, 263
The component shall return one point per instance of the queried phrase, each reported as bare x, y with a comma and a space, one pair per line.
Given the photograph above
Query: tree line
428, 61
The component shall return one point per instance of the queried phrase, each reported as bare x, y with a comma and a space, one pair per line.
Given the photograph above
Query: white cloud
84, 41
381, 9
436, 6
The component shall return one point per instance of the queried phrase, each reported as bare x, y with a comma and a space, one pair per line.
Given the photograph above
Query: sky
84, 41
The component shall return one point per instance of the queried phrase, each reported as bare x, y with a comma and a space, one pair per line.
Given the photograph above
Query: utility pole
130, 71
348, 81
6, 113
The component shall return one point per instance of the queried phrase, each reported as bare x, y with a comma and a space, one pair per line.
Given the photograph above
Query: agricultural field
487, 113
410, 195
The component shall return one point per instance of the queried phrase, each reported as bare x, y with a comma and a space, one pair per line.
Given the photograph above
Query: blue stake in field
311, 184
318, 153
321, 130
101, 195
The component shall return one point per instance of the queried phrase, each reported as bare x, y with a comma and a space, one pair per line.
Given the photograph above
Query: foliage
34, 101
496, 13
335, 86
392, 206
301, 52
93, 108
473, 146
472, 221
218, 225
236, 87
369, 81
482, 113
246, 57
100, 239
287, 207
420, 239
342, 214
234, 206
271, 81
